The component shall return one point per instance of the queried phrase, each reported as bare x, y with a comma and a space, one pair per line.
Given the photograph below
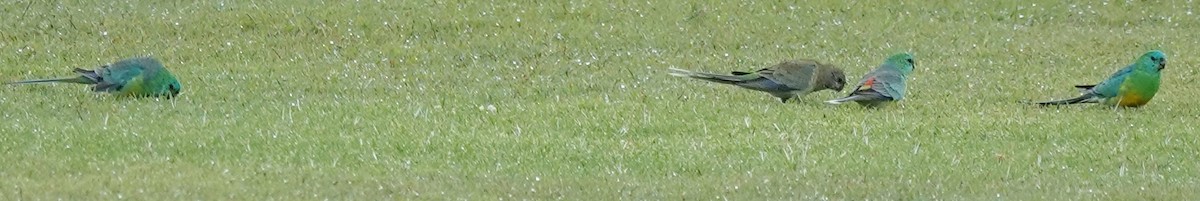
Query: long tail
846, 99
85, 77
1085, 98
724, 79
80, 80
838, 101
860, 95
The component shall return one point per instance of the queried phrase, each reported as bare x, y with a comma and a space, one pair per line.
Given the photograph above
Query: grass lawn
483, 100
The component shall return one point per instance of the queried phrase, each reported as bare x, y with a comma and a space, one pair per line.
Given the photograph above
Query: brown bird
786, 80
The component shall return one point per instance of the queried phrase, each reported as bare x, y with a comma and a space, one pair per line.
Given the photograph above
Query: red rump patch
870, 82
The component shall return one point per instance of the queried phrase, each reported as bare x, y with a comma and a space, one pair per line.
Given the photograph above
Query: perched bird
785, 80
1132, 86
885, 84
137, 77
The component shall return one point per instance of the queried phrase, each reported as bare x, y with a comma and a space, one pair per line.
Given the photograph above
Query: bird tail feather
79, 80
843, 100
1085, 98
724, 79
1084, 88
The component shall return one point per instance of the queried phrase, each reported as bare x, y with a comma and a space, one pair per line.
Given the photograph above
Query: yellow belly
133, 87
1131, 100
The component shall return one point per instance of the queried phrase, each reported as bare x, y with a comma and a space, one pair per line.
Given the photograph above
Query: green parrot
1132, 86
137, 77
883, 85
786, 80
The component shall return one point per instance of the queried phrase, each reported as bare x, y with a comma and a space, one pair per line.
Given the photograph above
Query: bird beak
1162, 65
173, 94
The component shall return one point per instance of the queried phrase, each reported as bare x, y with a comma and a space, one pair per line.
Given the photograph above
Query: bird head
174, 88
902, 62
838, 80
1157, 58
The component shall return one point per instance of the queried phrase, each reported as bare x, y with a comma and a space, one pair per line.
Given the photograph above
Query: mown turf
570, 100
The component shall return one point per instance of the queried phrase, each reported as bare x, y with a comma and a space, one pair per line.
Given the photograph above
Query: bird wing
885, 82
797, 75
1111, 86
115, 76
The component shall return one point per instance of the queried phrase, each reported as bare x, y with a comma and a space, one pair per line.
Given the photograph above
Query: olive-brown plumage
786, 80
